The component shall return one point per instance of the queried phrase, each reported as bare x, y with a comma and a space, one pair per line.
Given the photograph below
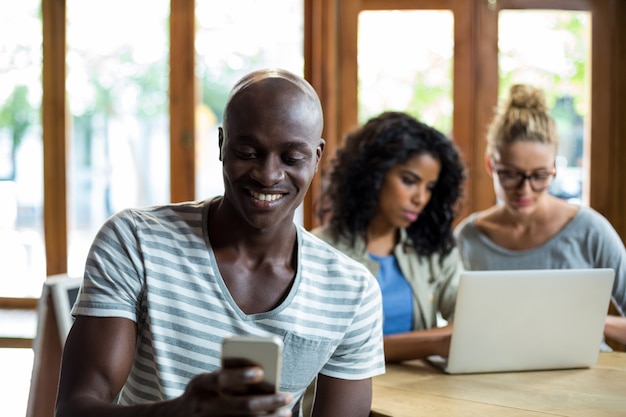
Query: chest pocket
303, 358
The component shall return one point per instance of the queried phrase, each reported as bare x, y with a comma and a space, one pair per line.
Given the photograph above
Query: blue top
397, 296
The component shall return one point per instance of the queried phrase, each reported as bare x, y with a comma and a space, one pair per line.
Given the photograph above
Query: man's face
270, 148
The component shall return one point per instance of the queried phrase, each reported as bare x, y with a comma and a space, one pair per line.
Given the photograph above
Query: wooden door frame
343, 76
606, 186
476, 88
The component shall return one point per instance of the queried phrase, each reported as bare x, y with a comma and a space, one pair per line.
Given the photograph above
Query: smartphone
264, 351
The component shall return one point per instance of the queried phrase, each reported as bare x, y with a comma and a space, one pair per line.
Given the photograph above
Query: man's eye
246, 155
293, 159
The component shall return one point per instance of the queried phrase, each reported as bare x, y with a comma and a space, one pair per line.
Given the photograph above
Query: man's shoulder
321, 232
315, 249
164, 209
341, 243
181, 218
171, 211
315, 241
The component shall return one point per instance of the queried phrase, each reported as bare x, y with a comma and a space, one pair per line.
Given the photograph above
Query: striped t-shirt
155, 266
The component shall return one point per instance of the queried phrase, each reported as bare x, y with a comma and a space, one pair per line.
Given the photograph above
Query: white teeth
265, 197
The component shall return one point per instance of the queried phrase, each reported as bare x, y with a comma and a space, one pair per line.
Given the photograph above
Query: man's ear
220, 133
318, 153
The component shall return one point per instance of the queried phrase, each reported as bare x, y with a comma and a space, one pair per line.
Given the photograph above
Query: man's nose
268, 171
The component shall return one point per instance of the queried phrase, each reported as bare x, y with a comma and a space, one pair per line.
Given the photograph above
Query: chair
53, 324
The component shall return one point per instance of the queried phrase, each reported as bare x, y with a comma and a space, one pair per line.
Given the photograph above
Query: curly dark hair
358, 172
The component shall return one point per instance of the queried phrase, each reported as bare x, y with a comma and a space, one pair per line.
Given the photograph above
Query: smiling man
270, 145
163, 286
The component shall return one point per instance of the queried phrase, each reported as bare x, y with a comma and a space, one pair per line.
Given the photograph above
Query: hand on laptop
411, 345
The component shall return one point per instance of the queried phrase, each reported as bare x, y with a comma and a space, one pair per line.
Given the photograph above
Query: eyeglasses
510, 179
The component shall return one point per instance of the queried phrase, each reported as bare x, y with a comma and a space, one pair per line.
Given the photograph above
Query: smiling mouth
265, 197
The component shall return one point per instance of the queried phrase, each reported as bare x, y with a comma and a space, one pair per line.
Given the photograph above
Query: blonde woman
529, 228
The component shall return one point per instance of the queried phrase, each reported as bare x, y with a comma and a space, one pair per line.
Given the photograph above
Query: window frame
330, 65
475, 90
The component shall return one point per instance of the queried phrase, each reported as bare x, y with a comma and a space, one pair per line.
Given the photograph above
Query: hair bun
527, 97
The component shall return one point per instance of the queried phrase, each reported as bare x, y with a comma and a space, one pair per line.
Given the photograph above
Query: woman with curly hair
392, 193
529, 228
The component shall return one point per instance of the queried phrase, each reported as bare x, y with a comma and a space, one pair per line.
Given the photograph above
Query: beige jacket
433, 279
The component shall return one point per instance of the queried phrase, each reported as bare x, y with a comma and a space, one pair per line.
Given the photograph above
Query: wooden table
416, 388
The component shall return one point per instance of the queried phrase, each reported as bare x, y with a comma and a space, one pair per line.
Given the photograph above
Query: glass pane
229, 44
16, 365
117, 82
561, 67
22, 253
405, 64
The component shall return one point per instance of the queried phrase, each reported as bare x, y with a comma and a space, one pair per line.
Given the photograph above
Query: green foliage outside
17, 114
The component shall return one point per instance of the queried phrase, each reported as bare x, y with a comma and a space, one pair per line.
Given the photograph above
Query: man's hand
232, 392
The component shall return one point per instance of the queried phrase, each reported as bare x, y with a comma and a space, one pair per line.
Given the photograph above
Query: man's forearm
417, 344
87, 406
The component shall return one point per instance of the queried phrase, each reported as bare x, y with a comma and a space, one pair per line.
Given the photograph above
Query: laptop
522, 320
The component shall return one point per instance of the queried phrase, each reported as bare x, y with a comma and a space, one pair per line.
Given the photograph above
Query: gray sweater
587, 241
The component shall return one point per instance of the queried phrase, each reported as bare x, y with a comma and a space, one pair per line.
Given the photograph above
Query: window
22, 253
561, 67
117, 95
405, 62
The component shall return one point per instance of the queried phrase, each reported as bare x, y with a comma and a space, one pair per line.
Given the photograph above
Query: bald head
276, 74
270, 146
278, 88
